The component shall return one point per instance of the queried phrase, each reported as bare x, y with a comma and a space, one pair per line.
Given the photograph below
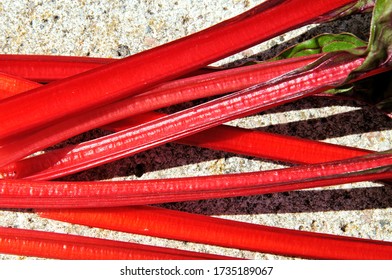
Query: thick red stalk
164, 95
72, 247
43, 194
183, 226
176, 126
45, 68
136, 73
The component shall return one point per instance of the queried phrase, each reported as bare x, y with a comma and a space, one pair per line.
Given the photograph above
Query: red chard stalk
121, 96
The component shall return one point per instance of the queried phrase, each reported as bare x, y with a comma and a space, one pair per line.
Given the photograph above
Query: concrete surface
121, 28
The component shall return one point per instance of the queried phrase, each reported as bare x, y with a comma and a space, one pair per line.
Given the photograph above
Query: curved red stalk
164, 95
196, 119
159, 222
72, 247
44, 194
136, 73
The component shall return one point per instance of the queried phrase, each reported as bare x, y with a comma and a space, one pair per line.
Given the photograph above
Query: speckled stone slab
121, 28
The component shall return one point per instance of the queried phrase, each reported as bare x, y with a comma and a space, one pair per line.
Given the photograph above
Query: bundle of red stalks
46, 100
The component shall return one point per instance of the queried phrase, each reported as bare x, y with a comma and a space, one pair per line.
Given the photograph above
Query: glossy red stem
50, 68
224, 138
188, 122
164, 95
136, 73
44, 194
72, 247
159, 222
45, 68
255, 143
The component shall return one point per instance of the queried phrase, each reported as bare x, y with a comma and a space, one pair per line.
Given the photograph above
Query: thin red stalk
224, 138
255, 143
44, 194
270, 146
261, 71
202, 117
45, 68
72, 247
159, 222
164, 95
49, 68
136, 73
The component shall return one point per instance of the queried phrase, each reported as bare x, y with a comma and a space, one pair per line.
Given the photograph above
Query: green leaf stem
322, 44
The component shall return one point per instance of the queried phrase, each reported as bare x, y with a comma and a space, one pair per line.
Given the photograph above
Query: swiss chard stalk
45, 68
324, 75
52, 194
221, 138
164, 223
175, 92
164, 95
49, 68
327, 74
224, 138
137, 73
72, 247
